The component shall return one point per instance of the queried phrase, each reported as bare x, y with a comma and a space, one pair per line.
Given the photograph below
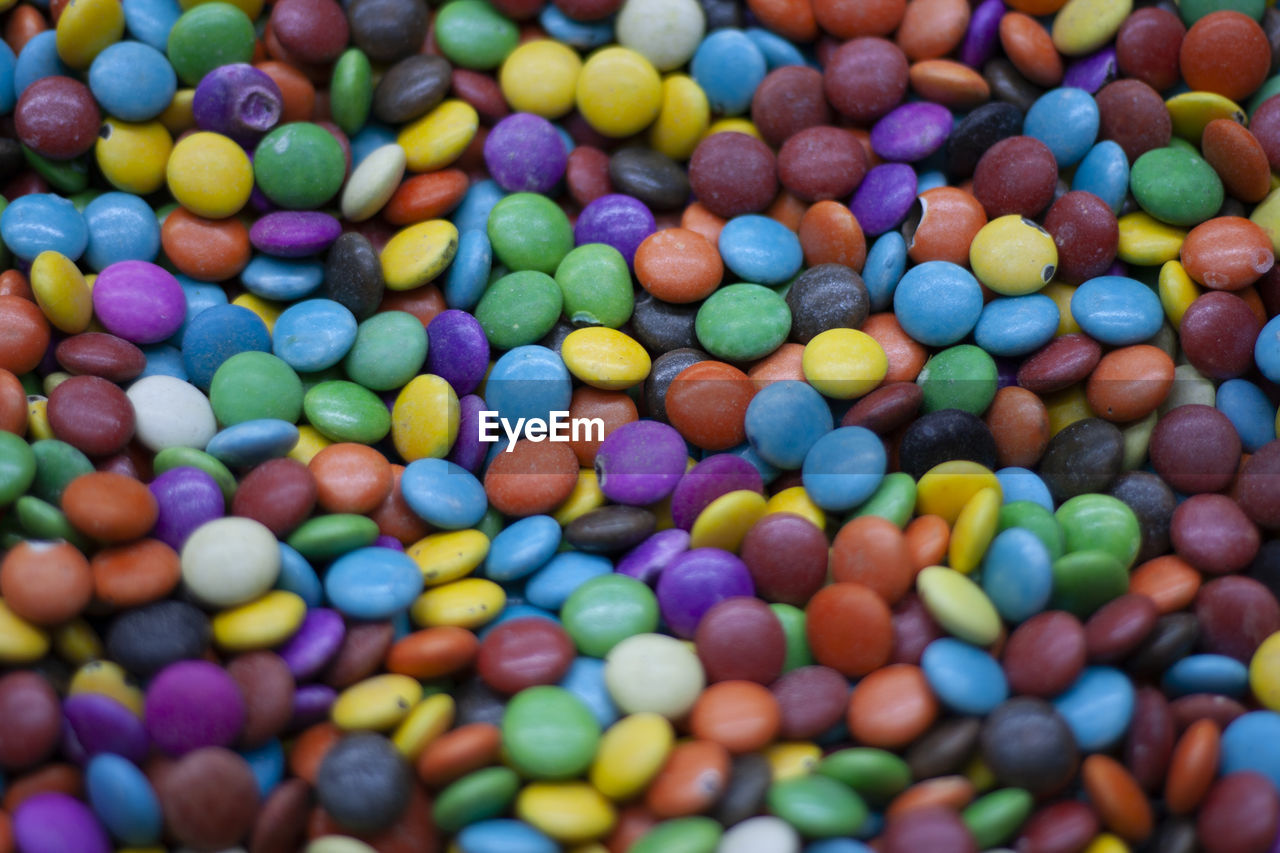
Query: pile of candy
669, 426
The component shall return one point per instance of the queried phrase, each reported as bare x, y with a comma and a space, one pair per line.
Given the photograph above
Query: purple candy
457, 350
311, 704
388, 542
709, 479
911, 132
640, 463
524, 153
1007, 372
97, 724
696, 581
468, 451
139, 301
187, 498
238, 101
317, 640
191, 704
58, 823
983, 34
1092, 72
294, 233
617, 220
646, 561
884, 197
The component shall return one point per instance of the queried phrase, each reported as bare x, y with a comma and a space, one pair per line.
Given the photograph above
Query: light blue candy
784, 420
468, 274
199, 297
41, 222
584, 35
1019, 484
778, 52
1250, 412
552, 584
504, 836
760, 250
1266, 350
528, 382
370, 138
1206, 674
251, 443
297, 576
1117, 310
443, 494
8, 65
38, 59
1016, 325
314, 334
938, 303
372, 583
1098, 707
837, 845
132, 81
472, 213
163, 360
1066, 120
282, 279
522, 548
886, 262
1104, 171
122, 798
963, 677
930, 180
122, 227
728, 67
1252, 742
1017, 574
585, 680
149, 21
844, 468
267, 764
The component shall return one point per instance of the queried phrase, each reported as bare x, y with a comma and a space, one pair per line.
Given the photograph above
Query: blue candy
163, 360
784, 420
370, 138
443, 494
472, 214
728, 67
522, 548
886, 262
1206, 674
583, 35
768, 473
38, 59
215, 334
1266, 350
551, 586
468, 274
267, 764
122, 798
1066, 120
297, 576
844, 468
122, 227
372, 583
132, 81
585, 680
282, 279
778, 52
1016, 325
528, 382
760, 250
314, 334
1017, 574
965, 678
1104, 171
200, 296
41, 222
938, 303
149, 21
8, 65
504, 836
1252, 742
1250, 412
1019, 484
1098, 707
250, 443
1117, 310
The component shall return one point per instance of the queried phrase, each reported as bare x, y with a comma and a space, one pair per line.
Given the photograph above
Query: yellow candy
844, 363
61, 292
1013, 255
86, 28
106, 678
570, 812
429, 719
630, 754
1264, 672
586, 496
310, 442
1146, 241
38, 418
209, 175
946, 488
619, 92
975, 527
53, 380
790, 759
662, 513
605, 358
682, 120
375, 704
1061, 295
1137, 438
1192, 111
796, 500
541, 77
439, 137
419, 253
424, 418
252, 8
1177, 291
726, 520
466, 603
1083, 26
1267, 217
179, 116
133, 156
267, 309
1107, 843
980, 774
1067, 406
445, 557
733, 125
338, 844
261, 624
20, 641
958, 605
76, 642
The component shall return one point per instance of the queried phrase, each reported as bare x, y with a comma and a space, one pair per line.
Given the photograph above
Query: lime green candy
208, 36
1030, 515
351, 90
179, 457
1175, 186
606, 610
529, 231
253, 385
876, 774
344, 411
894, 499
328, 536
519, 308
473, 34
548, 733
596, 286
57, 464
682, 835
389, 350
793, 630
961, 377
299, 166
475, 797
1083, 581
17, 467
995, 817
1100, 523
743, 322
817, 806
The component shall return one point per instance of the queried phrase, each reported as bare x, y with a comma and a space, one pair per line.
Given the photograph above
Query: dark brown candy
945, 749
865, 78
279, 494
411, 87
1084, 229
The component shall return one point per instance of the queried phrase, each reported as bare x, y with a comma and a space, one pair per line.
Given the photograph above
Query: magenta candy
139, 301
709, 479
57, 823
187, 498
646, 561
192, 704
640, 463
97, 724
294, 233
696, 581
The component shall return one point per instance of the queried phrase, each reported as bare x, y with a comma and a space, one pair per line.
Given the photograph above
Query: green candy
473, 34
682, 835
743, 322
491, 523
57, 464
351, 90
519, 309
1029, 515
208, 36
793, 630
876, 774
994, 818
344, 411
1176, 186
548, 733
596, 286
1193, 10
475, 797
1100, 523
961, 377
529, 231
1083, 581
606, 610
42, 520
894, 499
253, 385
65, 176
817, 806
326, 537
299, 166
178, 457
17, 467
389, 350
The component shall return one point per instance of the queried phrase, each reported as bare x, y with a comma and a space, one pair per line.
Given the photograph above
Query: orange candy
299, 94
24, 334
1117, 798
846, 19
1193, 766
109, 507
702, 221
950, 83
310, 748
1129, 383
906, 356
872, 551
1030, 49
949, 220
135, 574
1169, 581
423, 302
46, 582
892, 707
14, 283
428, 196
1227, 253
849, 629
741, 716
433, 652
205, 249
678, 265
1019, 422
791, 19
394, 517
928, 538
786, 362
1237, 156
615, 408
830, 234
951, 792
531, 479
13, 403
932, 28
787, 210
1231, 36
351, 478
60, 778
694, 777
458, 752
707, 402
